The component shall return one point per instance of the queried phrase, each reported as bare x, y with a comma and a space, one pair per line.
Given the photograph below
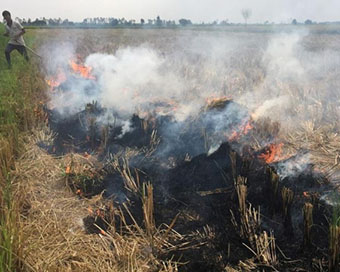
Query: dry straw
54, 238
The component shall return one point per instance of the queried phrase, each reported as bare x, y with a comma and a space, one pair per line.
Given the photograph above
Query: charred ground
197, 195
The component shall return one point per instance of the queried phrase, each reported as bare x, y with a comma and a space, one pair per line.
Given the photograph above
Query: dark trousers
20, 48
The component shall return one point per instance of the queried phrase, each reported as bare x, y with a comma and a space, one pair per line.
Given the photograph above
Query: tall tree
246, 13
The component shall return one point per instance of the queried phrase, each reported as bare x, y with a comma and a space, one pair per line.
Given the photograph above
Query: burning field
185, 151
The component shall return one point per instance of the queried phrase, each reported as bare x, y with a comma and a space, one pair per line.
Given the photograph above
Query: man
15, 32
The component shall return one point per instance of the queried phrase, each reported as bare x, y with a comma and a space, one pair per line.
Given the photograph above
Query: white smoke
269, 76
281, 57
132, 79
270, 106
126, 127
293, 166
275, 96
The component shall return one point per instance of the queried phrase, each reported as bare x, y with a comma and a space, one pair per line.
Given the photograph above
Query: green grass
19, 90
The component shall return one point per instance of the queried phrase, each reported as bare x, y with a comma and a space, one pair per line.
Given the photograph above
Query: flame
243, 130
68, 170
216, 102
272, 153
248, 127
54, 82
84, 71
79, 193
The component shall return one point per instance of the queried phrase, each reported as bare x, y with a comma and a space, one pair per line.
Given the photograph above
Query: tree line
158, 22
101, 21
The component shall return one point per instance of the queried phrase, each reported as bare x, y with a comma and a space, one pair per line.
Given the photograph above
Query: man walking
15, 32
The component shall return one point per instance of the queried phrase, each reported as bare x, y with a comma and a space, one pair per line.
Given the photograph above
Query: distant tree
38, 22
294, 22
142, 21
101, 20
52, 22
114, 21
246, 13
158, 21
308, 22
150, 22
122, 21
66, 22
170, 23
184, 22
224, 22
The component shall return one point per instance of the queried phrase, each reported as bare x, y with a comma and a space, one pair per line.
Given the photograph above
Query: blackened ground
84, 131
200, 191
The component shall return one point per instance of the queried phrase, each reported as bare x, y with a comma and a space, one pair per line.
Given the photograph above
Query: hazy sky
196, 10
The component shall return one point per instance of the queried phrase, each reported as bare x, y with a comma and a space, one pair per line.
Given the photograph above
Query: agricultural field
172, 150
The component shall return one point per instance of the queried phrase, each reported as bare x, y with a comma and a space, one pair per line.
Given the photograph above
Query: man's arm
22, 32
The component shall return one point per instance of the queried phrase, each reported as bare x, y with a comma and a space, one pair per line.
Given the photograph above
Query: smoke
281, 57
273, 76
56, 56
293, 166
269, 106
284, 74
132, 80
126, 127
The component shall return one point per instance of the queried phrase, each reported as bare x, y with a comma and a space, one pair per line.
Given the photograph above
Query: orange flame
54, 82
248, 127
84, 71
79, 192
272, 153
68, 170
215, 100
243, 130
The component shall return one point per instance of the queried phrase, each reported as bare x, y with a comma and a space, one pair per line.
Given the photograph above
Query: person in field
15, 32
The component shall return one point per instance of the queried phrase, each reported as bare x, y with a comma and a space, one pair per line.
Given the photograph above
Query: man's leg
22, 50
8, 50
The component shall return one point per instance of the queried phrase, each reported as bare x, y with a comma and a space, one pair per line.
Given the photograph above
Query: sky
278, 11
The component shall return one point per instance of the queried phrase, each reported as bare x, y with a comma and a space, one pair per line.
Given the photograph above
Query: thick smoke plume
273, 77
